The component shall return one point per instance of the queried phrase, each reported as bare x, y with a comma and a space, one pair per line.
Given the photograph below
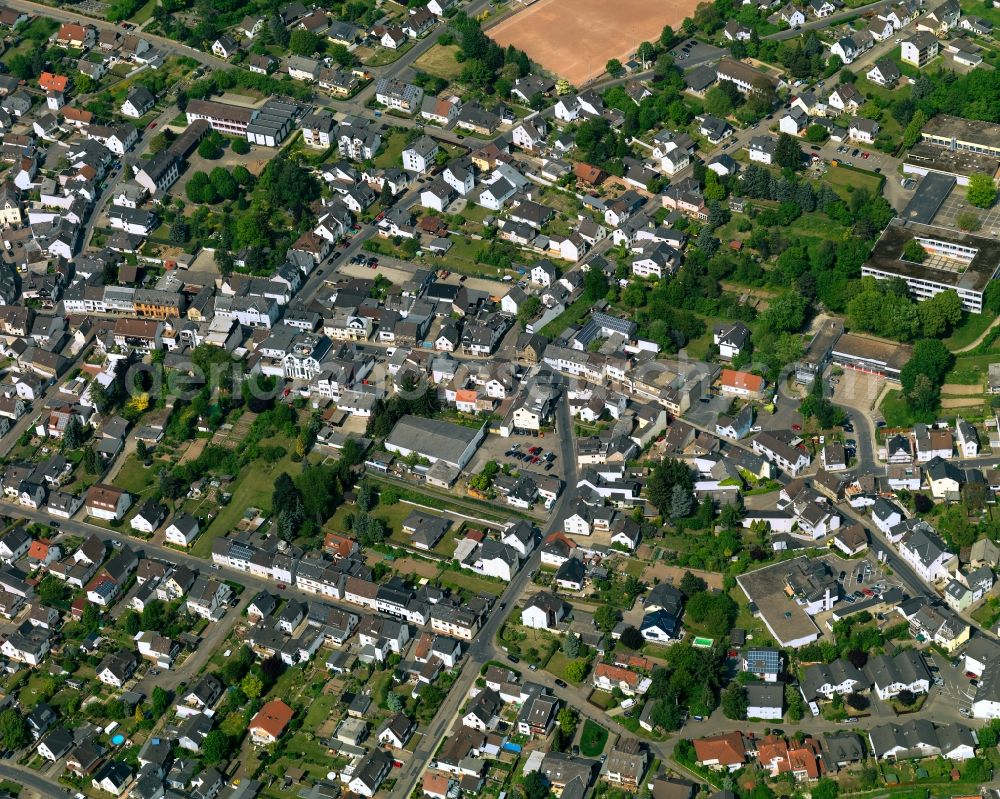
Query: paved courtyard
955, 205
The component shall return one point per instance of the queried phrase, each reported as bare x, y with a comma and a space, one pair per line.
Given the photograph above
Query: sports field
576, 38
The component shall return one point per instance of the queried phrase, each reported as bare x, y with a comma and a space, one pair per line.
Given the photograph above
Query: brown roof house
270, 722
107, 502
727, 751
588, 175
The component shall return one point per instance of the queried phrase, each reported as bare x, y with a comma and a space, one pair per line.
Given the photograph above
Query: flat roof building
871, 355
816, 355
956, 133
930, 194
771, 596
435, 440
927, 159
955, 261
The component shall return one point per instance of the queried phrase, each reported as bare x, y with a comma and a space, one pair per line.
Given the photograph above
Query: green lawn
144, 13
252, 488
470, 582
971, 368
991, 13
391, 154
573, 314
898, 414
392, 515
31, 692
817, 225
698, 348
557, 665
446, 546
32, 34
460, 258
134, 477
867, 88
386, 55
987, 613
845, 180
592, 739
971, 328
908, 70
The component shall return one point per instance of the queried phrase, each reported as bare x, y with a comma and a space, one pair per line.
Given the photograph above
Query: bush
240, 146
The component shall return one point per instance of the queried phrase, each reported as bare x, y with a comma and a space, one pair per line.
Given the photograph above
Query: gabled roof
727, 749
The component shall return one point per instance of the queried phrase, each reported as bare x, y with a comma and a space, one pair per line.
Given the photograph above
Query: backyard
251, 488
593, 739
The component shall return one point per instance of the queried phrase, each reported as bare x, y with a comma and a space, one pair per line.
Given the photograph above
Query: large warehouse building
454, 444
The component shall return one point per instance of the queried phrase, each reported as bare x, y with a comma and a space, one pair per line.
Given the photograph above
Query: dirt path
979, 340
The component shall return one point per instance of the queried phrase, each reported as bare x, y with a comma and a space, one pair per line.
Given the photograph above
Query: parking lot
955, 205
856, 389
845, 153
512, 452
696, 52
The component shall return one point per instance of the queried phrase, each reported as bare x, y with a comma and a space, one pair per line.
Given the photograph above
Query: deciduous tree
982, 190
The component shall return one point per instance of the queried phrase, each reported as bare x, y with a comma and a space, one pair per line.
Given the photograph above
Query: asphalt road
825, 22
80, 527
483, 648
33, 780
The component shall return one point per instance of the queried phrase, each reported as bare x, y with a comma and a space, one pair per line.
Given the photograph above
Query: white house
765, 701
419, 156
543, 611
968, 440
762, 149
182, 530
927, 554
